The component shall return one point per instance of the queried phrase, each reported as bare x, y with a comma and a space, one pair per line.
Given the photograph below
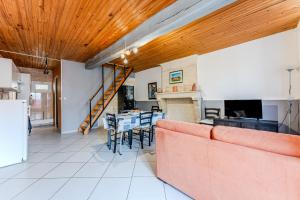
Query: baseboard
69, 132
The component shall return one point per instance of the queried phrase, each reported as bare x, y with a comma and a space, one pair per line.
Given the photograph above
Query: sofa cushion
268, 141
185, 127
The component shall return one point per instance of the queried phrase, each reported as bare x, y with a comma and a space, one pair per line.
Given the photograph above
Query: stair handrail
126, 73
98, 90
95, 94
102, 87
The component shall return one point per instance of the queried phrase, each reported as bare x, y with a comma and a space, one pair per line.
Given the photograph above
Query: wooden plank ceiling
68, 29
240, 22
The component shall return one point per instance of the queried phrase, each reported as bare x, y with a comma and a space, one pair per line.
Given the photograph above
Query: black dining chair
155, 109
112, 131
212, 113
145, 127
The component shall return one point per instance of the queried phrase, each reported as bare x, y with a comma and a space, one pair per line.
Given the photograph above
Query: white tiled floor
80, 167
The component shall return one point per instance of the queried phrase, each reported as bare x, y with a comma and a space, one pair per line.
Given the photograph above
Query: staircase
120, 75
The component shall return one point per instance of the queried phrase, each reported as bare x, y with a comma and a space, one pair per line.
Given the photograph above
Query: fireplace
181, 106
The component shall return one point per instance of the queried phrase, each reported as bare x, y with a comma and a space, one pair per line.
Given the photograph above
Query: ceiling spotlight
122, 55
125, 61
135, 50
127, 52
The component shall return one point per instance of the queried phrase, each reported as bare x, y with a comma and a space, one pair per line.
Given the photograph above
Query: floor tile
146, 188
76, 189
111, 189
92, 170
92, 148
97, 141
35, 148
12, 170
59, 157
174, 194
106, 149
42, 189
72, 165
148, 156
80, 157
51, 148
120, 169
37, 157
12, 187
64, 170
125, 157
135, 147
2, 180
102, 157
73, 148
37, 171
144, 169
149, 148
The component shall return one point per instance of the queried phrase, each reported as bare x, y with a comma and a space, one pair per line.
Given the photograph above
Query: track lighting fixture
127, 52
46, 70
135, 50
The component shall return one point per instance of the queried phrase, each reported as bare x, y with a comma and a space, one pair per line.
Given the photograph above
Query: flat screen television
243, 108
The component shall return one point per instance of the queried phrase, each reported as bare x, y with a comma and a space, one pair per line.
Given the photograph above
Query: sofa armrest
182, 162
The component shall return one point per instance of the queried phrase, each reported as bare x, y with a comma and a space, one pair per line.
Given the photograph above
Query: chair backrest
212, 113
155, 109
146, 119
111, 121
124, 111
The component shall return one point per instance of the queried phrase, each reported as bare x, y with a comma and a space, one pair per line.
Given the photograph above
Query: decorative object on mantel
179, 88
194, 87
176, 77
152, 89
175, 88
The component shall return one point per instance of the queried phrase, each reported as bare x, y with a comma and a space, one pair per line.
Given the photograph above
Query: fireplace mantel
195, 96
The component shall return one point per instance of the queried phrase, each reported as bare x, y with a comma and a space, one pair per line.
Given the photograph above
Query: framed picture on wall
176, 77
152, 89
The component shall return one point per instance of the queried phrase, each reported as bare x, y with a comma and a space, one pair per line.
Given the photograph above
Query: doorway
55, 98
41, 103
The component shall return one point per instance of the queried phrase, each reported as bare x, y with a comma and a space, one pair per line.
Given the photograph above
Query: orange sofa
226, 163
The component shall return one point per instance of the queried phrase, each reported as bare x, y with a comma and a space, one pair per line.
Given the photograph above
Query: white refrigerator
13, 131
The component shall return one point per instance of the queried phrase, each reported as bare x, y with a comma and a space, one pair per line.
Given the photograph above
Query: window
41, 87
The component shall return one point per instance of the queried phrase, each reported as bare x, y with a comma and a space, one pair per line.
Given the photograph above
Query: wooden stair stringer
107, 101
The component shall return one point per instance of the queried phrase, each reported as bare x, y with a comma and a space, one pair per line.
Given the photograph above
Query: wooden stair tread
83, 127
108, 95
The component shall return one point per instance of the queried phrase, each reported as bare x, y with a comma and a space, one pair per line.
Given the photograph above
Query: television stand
264, 125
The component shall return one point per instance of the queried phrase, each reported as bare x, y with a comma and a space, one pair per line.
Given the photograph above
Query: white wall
161, 76
255, 69
298, 42
251, 70
141, 82
78, 84
189, 67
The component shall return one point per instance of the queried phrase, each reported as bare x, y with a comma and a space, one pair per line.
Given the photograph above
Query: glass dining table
126, 122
